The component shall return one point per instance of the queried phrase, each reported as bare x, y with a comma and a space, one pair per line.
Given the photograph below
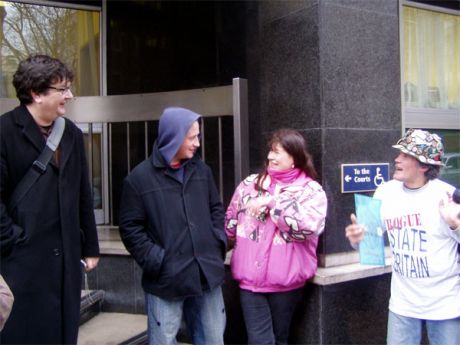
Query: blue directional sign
364, 177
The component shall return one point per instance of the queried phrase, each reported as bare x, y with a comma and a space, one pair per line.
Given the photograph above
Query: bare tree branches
29, 29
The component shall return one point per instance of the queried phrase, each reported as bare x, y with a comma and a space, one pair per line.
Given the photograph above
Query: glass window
431, 78
71, 35
431, 59
95, 146
451, 171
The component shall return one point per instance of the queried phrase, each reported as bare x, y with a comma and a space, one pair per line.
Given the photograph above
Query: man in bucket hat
423, 226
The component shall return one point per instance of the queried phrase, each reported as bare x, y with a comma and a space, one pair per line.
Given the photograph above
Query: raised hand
450, 211
354, 232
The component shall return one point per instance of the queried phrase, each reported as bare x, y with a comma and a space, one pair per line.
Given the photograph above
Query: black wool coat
174, 229
45, 237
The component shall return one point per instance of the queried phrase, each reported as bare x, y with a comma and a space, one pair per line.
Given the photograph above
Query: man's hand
450, 211
91, 263
354, 232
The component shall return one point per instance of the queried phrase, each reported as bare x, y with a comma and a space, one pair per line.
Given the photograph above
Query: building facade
350, 75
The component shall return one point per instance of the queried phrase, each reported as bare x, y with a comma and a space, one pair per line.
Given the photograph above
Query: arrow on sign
348, 178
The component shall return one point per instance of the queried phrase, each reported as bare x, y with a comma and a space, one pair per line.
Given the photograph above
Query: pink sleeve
231, 216
299, 214
6, 302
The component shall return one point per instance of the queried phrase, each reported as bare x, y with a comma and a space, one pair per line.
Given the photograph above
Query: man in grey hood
171, 221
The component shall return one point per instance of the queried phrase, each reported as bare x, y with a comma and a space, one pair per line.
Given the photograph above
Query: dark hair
432, 171
36, 73
294, 144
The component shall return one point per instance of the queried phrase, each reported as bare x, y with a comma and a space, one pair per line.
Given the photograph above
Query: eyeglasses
62, 90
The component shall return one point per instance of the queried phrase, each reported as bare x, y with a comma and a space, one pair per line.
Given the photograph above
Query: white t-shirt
426, 265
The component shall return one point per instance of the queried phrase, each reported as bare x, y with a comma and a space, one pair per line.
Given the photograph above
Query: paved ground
111, 328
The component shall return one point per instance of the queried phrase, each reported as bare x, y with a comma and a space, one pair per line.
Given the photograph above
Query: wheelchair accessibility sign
364, 177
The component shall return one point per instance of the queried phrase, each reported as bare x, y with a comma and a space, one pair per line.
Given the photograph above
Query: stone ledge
111, 244
113, 247
342, 267
344, 273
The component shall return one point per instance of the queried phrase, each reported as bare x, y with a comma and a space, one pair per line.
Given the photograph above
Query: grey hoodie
172, 129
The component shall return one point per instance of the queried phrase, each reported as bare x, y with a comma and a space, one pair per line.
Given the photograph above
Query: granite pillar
331, 69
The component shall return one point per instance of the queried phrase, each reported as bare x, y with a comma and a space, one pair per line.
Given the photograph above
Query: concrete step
140, 339
117, 329
113, 329
91, 303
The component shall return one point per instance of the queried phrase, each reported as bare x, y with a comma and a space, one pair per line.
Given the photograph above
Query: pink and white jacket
276, 251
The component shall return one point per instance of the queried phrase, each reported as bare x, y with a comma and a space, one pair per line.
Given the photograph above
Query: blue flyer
371, 248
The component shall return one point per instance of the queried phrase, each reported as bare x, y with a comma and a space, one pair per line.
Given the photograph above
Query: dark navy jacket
174, 229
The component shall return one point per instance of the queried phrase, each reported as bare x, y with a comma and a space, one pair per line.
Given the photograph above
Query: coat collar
23, 118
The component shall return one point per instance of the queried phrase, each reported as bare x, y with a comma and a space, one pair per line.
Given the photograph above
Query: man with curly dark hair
44, 237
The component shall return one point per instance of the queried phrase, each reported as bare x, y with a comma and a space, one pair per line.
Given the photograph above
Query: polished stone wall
119, 276
330, 69
353, 312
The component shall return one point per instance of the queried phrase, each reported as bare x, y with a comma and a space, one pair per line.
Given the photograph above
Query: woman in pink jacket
274, 219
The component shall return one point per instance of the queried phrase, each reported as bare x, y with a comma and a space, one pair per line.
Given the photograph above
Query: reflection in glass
451, 171
94, 160
431, 58
70, 35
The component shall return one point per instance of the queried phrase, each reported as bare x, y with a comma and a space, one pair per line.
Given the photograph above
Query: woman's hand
258, 206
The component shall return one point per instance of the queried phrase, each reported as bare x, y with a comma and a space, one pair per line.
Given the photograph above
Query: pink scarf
283, 176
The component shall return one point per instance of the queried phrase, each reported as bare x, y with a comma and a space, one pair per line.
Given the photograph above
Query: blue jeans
408, 331
268, 315
205, 318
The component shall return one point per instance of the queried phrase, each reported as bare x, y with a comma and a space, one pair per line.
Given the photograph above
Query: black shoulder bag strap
38, 167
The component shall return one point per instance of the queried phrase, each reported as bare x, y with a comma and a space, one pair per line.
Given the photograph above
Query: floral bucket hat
425, 146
